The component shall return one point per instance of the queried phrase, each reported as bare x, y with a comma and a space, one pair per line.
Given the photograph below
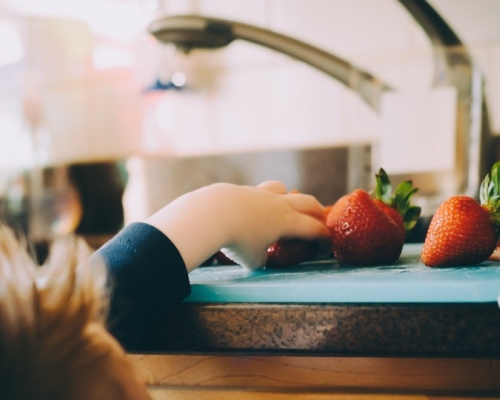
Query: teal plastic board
407, 281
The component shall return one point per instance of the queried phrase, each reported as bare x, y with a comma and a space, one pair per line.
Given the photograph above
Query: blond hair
45, 315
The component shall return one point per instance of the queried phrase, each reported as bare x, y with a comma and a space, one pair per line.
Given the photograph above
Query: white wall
244, 97
258, 99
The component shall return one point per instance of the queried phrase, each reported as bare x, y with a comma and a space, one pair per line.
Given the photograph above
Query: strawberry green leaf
411, 217
399, 199
489, 195
383, 187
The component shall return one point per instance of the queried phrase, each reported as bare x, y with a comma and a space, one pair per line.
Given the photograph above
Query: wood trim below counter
435, 377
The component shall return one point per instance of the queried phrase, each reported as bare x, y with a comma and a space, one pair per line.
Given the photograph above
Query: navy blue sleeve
146, 276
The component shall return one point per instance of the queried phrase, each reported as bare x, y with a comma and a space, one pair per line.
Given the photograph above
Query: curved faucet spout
453, 67
188, 32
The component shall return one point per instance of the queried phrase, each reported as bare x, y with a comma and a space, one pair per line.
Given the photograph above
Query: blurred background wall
74, 77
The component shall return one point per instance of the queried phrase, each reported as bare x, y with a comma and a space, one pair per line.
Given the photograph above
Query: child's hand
272, 213
242, 220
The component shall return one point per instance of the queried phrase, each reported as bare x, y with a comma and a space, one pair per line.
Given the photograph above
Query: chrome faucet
188, 32
453, 66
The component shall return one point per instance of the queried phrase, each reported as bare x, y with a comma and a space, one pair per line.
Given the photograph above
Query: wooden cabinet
293, 377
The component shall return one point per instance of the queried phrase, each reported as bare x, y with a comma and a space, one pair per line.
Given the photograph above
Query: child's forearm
196, 224
146, 276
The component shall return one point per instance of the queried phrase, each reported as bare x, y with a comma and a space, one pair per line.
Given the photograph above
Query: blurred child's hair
46, 315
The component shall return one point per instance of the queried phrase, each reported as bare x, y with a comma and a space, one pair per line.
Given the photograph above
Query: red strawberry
463, 231
288, 252
364, 234
392, 210
460, 233
335, 211
393, 213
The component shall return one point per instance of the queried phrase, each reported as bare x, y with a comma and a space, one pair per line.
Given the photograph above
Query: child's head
53, 344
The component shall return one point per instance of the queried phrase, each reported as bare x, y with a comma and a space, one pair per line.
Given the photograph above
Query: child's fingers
277, 187
307, 227
306, 204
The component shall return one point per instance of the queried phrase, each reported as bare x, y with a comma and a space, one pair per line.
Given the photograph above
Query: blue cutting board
407, 281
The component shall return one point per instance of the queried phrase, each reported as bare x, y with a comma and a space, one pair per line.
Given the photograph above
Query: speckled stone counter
406, 330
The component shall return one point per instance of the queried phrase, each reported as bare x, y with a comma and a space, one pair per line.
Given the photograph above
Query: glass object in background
79, 196
13, 200
53, 203
78, 113
40, 204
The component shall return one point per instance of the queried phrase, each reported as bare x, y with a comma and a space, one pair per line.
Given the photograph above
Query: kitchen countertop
320, 308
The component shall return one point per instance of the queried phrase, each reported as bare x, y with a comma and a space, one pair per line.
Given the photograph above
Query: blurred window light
16, 147
104, 57
178, 79
163, 114
116, 19
11, 48
119, 20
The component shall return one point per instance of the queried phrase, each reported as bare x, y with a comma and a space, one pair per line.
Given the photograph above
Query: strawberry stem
489, 195
383, 187
399, 199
